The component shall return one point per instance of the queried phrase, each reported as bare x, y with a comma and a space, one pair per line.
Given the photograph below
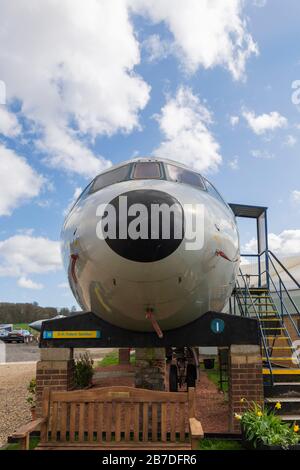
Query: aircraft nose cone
149, 225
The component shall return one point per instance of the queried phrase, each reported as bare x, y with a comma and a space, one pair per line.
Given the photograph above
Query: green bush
31, 399
84, 370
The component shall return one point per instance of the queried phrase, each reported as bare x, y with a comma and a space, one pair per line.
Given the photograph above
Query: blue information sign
217, 325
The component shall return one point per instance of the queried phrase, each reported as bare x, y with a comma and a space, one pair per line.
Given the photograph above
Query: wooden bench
115, 418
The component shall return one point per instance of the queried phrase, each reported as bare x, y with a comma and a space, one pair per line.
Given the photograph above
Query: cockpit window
181, 175
213, 192
147, 170
110, 177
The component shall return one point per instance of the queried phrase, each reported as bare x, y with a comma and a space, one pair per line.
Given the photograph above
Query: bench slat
164, 422
145, 422
136, 422
90, 422
182, 421
100, 422
154, 422
128, 409
172, 421
63, 421
105, 394
81, 429
118, 422
72, 421
54, 412
108, 420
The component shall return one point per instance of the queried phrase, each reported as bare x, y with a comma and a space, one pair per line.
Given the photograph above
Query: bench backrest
116, 414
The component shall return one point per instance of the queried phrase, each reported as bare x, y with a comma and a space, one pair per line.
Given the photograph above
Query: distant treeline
27, 313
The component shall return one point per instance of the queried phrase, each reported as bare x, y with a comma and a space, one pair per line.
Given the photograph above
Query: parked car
13, 337
3, 333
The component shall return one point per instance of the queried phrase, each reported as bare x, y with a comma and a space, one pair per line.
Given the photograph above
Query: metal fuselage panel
179, 288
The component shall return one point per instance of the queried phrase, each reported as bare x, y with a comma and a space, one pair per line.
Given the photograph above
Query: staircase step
274, 358
282, 390
260, 297
266, 318
291, 418
283, 400
277, 337
273, 328
281, 371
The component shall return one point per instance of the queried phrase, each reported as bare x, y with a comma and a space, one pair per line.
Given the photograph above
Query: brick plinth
245, 380
150, 368
55, 370
124, 356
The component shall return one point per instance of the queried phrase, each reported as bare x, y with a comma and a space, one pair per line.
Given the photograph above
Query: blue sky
94, 84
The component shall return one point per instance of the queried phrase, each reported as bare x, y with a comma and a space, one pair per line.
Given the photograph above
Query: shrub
261, 425
84, 370
31, 399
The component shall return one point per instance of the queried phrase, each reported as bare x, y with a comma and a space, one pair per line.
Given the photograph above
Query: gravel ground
30, 352
14, 411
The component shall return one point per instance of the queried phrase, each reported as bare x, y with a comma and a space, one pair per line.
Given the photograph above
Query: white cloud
264, 122
234, 163
71, 64
9, 125
184, 121
29, 284
290, 141
284, 244
18, 181
156, 48
296, 196
24, 254
205, 33
64, 151
262, 154
234, 120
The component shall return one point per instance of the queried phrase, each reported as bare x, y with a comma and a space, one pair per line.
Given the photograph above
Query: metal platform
86, 330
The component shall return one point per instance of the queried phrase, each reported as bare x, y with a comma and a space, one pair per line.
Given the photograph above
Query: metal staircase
279, 319
278, 326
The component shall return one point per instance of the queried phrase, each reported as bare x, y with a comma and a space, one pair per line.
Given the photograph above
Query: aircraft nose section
144, 225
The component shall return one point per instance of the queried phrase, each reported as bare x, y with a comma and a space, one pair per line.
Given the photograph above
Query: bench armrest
196, 432
23, 433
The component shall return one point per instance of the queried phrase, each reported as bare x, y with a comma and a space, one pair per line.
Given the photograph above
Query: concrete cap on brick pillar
245, 354
56, 354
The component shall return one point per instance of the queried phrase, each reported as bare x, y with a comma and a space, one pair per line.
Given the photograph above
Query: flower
278, 405
242, 400
259, 414
296, 428
237, 416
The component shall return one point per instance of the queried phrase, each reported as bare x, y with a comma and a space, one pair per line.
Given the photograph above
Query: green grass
214, 376
204, 444
220, 444
112, 359
16, 446
23, 326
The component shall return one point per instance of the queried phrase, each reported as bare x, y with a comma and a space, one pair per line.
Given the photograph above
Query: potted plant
31, 398
262, 429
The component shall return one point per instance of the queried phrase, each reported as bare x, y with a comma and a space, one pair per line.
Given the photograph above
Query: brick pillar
245, 380
56, 370
150, 370
124, 356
